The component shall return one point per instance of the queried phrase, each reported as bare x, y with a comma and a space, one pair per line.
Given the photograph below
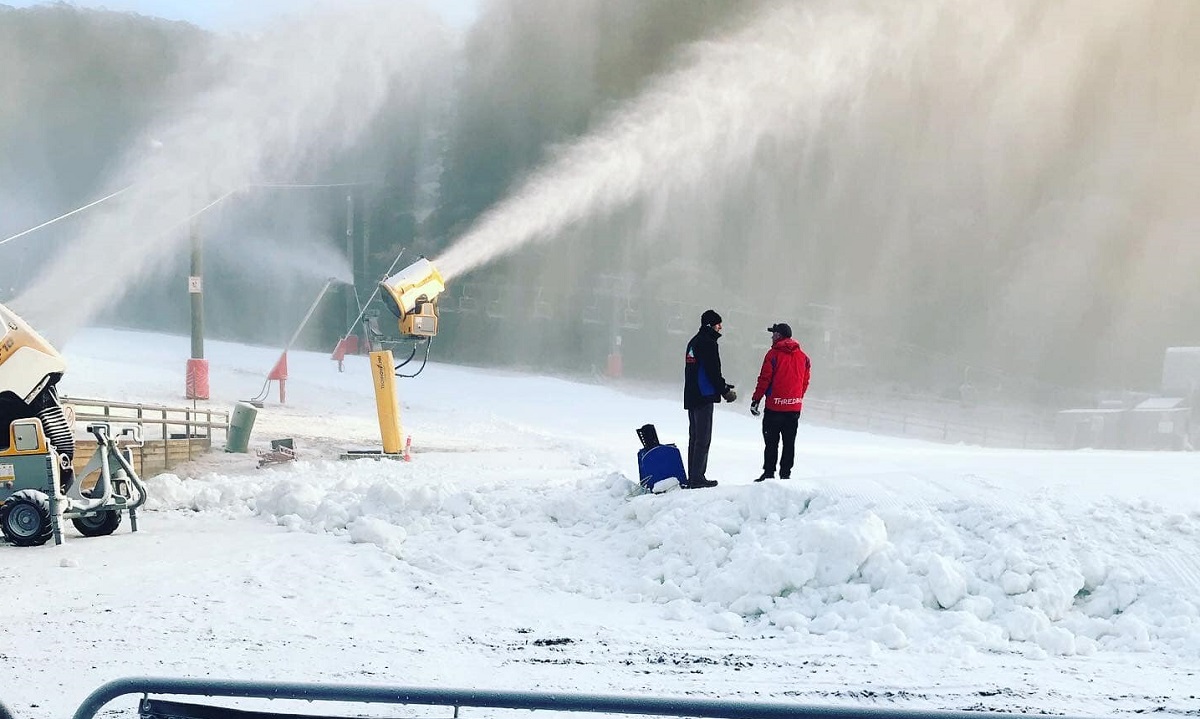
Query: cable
424, 361
63, 217
300, 186
411, 355
262, 394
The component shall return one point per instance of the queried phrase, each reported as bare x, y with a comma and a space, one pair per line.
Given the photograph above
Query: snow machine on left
38, 487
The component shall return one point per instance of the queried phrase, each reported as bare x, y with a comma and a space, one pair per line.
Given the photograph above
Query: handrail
92, 402
163, 416
88, 417
498, 699
1014, 432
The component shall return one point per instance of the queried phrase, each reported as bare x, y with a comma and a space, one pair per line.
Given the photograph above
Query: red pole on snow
279, 373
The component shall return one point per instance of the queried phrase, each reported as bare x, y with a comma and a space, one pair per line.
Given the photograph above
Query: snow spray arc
291, 99
880, 158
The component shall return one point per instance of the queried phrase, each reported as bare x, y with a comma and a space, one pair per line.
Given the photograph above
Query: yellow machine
30, 369
411, 295
38, 487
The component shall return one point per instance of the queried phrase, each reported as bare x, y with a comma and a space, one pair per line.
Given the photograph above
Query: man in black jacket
703, 387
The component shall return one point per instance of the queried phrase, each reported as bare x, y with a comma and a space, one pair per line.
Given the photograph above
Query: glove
730, 395
754, 410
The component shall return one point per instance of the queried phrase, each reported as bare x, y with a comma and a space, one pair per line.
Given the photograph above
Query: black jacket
702, 380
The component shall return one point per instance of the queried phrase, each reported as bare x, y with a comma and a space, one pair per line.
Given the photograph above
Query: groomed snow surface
514, 552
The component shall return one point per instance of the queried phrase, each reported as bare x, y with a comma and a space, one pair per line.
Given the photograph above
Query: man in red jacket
783, 380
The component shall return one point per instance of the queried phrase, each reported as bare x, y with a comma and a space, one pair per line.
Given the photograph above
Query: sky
515, 552
224, 15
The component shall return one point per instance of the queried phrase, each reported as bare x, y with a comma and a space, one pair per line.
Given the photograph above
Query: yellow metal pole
386, 404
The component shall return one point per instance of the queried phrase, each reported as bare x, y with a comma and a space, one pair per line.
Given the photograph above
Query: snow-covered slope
512, 552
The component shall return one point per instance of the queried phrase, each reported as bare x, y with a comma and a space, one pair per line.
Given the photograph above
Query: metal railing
195, 422
673, 706
1025, 433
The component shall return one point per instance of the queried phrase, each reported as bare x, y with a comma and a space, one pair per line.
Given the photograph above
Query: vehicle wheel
25, 518
98, 525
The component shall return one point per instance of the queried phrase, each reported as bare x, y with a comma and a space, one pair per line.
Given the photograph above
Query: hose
424, 361
57, 429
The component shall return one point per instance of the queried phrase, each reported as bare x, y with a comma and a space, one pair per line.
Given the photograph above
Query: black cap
710, 317
783, 328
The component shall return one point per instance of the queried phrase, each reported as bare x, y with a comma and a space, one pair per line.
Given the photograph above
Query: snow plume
775, 75
288, 102
986, 180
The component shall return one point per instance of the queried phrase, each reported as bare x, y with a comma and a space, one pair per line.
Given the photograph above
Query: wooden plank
154, 457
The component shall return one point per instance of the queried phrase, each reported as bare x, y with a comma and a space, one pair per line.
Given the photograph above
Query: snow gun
411, 295
38, 487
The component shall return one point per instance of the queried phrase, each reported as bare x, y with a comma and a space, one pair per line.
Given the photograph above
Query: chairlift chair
631, 319
675, 323
495, 306
591, 312
466, 301
541, 307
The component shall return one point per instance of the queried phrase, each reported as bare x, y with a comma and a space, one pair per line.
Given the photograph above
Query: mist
932, 193
996, 191
286, 106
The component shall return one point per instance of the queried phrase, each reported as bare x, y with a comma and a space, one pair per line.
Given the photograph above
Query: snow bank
776, 557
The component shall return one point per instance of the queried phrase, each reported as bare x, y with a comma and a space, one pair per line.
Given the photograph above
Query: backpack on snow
660, 466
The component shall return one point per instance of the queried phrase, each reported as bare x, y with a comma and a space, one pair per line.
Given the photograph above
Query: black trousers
777, 425
699, 439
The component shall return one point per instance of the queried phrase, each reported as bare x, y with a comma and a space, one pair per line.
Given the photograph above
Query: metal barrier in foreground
153, 707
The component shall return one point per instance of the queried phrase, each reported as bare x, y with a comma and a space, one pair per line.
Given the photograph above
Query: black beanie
710, 317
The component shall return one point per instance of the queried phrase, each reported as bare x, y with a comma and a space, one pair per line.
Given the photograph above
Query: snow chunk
727, 622
947, 580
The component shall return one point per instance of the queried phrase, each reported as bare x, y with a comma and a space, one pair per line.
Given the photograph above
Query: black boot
700, 483
766, 475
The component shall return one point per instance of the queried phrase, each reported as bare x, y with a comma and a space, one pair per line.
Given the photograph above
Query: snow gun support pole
411, 295
387, 404
279, 373
362, 311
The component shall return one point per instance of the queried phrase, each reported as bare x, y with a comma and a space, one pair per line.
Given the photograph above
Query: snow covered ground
512, 553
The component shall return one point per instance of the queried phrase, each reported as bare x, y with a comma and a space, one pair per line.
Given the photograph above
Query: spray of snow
291, 99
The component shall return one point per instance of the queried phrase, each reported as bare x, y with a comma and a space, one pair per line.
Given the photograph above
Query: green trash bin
237, 439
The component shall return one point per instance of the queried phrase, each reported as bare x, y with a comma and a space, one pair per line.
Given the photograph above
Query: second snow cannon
411, 294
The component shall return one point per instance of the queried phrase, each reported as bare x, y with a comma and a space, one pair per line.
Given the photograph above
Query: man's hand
754, 410
730, 395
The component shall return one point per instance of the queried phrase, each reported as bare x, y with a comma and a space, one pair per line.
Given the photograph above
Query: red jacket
784, 377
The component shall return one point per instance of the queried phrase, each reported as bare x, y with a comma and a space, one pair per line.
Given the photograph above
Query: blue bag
660, 466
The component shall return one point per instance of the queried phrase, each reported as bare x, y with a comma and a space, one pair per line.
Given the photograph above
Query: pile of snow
795, 558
